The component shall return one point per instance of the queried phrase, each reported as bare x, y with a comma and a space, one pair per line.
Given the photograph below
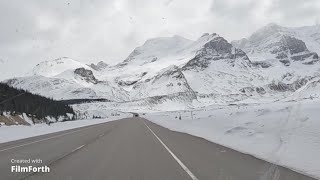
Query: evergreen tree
18, 101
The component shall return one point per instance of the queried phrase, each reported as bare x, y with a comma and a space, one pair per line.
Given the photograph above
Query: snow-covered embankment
284, 133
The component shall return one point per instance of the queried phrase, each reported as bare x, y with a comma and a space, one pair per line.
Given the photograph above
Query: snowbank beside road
284, 133
15, 132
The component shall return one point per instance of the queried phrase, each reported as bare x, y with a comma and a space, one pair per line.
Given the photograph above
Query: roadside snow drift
16, 132
285, 133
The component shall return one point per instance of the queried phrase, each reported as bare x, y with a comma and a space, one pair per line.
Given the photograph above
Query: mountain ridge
205, 69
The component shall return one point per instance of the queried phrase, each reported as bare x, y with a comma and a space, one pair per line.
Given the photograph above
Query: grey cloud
296, 11
37, 30
234, 11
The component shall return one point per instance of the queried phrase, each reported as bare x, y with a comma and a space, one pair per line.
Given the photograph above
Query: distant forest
17, 101
81, 101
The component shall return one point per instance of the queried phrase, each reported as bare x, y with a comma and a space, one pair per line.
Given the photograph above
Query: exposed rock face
260, 90
216, 49
276, 42
126, 83
294, 45
283, 87
262, 64
250, 90
99, 66
174, 73
86, 74
294, 49
131, 81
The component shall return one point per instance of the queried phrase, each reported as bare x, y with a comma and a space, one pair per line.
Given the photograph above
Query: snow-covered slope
156, 49
52, 87
157, 54
169, 81
216, 63
65, 78
57, 66
59, 88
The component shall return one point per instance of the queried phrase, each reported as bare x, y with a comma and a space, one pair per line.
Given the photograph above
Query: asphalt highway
132, 149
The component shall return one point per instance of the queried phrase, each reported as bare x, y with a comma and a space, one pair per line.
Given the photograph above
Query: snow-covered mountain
288, 57
272, 64
188, 67
65, 78
57, 66
284, 44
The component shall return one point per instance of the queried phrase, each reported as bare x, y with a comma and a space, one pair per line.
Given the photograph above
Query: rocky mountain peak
99, 66
289, 49
86, 75
207, 37
217, 46
216, 49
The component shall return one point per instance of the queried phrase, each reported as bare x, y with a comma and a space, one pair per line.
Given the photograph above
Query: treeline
82, 101
18, 101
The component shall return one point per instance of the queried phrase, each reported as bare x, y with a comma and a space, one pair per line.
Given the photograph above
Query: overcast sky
91, 30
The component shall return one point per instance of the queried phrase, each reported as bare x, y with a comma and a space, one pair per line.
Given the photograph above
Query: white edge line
184, 167
33, 142
76, 149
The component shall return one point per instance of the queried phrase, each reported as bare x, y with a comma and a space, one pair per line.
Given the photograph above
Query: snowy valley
259, 95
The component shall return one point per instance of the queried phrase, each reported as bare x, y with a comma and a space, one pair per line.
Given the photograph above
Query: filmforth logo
29, 169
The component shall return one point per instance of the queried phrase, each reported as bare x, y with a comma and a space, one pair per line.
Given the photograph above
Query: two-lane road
134, 149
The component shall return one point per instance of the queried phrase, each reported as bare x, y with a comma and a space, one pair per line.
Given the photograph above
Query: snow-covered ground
284, 133
11, 133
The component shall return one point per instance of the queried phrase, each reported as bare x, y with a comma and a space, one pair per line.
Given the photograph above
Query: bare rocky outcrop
216, 49
283, 87
251, 90
86, 74
99, 66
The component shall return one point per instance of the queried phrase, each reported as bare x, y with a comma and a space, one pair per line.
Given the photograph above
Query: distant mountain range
273, 63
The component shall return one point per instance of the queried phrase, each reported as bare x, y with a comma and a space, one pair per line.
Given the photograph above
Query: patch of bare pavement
132, 149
